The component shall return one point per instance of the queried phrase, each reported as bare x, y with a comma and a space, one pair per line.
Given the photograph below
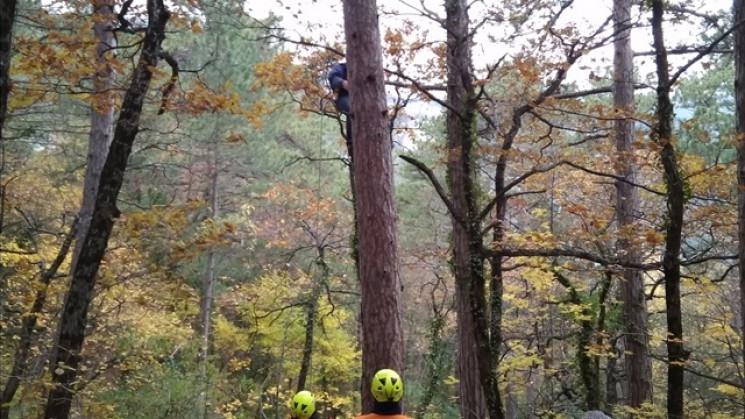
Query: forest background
228, 278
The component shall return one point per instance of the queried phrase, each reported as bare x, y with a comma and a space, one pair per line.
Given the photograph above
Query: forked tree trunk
71, 333
636, 356
382, 336
662, 134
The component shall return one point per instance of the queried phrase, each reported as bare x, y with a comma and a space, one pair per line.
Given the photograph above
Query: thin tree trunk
496, 293
738, 8
662, 134
605, 288
587, 369
71, 333
382, 335
7, 20
435, 356
310, 318
102, 116
20, 357
208, 286
636, 356
611, 379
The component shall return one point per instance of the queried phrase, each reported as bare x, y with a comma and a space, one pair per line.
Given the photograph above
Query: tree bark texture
102, 116
662, 134
496, 285
382, 335
738, 9
7, 20
71, 333
636, 341
478, 389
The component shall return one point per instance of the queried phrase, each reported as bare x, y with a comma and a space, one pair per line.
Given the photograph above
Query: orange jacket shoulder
376, 416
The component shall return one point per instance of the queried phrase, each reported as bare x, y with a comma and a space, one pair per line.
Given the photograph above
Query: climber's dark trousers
342, 105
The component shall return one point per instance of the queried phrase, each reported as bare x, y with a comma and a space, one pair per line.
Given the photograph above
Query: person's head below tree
303, 406
388, 391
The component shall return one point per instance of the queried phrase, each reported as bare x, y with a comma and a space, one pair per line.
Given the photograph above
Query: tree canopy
543, 215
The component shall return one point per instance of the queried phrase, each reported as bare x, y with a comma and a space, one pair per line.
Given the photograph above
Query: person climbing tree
387, 390
338, 80
303, 406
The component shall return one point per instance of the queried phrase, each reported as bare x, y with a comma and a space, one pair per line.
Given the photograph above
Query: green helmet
303, 405
387, 386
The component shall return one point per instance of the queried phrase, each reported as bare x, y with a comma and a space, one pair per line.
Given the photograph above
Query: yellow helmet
303, 405
387, 386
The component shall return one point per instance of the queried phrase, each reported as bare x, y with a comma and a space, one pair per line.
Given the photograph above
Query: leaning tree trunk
71, 332
382, 336
26, 335
636, 342
102, 116
662, 134
739, 15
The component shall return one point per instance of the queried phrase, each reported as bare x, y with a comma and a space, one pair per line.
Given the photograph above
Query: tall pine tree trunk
738, 9
467, 267
662, 134
71, 333
382, 335
636, 359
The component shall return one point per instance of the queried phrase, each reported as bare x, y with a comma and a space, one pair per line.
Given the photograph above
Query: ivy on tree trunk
662, 135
